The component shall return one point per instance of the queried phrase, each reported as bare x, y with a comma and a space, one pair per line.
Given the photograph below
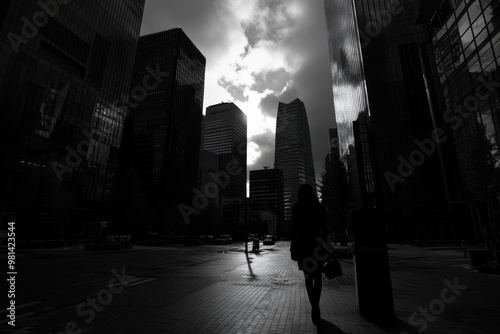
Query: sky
258, 53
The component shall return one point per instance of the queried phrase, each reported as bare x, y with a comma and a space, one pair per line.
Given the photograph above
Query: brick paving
220, 289
265, 295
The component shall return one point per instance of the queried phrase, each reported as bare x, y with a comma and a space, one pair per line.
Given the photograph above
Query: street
220, 289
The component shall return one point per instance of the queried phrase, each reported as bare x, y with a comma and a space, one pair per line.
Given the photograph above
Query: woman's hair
306, 194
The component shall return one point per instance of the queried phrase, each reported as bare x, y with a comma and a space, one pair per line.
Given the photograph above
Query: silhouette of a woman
309, 223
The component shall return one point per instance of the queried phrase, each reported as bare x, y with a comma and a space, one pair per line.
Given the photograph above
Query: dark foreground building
393, 115
64, 68
168, 83
466, 47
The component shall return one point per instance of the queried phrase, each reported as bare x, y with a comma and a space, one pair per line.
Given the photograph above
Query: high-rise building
225, 134
466, 48
64, 67
208, 176
384, 96
350, 98
293, 153
168, 83
266, 194
333, 141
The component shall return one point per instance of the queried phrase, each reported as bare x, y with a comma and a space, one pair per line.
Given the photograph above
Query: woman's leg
318, 285
311, 292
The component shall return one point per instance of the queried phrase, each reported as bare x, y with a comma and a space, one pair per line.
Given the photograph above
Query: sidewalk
267, 295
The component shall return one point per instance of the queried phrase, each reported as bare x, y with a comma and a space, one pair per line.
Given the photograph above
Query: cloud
274, 80
258, 53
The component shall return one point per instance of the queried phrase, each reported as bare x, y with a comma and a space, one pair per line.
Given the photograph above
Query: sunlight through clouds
258, 53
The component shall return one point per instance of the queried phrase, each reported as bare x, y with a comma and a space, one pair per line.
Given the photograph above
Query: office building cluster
416, 103
102, 125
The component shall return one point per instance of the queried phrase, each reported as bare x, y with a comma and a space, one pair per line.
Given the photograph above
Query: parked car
269, 240
224, 239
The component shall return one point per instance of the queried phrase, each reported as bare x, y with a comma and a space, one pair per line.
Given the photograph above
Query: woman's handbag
332, 269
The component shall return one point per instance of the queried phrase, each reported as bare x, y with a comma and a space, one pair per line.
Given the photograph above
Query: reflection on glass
474, 10
108, 122
467, 38
349, 87
50, 108
463, 24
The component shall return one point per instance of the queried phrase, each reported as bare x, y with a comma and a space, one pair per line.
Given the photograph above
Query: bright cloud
258, 53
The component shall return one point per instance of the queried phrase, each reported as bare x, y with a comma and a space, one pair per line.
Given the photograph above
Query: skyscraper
293, 153
168, 83
266, 194
225, 134
466, 49
350, 97
333, 136
63, 67
389, 115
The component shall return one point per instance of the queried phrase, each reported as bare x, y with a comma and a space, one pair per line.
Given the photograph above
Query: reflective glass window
474, 10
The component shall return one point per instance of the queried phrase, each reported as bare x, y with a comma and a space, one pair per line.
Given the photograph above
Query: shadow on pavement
328, 327
398, 326
249, 266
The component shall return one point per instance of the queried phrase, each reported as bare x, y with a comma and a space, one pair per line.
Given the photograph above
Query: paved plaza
220, 289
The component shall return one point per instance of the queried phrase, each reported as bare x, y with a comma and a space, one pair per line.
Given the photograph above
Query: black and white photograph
250, 166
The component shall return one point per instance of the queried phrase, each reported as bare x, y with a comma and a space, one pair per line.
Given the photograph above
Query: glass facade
62, 68
293, 153
350, 97
225, 134
466, 45
266, 193
384, 96
168, 81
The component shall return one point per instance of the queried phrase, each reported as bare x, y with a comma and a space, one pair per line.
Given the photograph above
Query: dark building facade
293, 153
333, 143
266, 194
466, 48
393, 114
225, 134
63, 69
350, 100
168, 85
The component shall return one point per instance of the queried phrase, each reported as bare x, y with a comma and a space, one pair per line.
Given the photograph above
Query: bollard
464, 247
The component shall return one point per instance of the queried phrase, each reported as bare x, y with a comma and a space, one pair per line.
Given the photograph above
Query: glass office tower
170, 73
466, 44
225, 134
350, 99
293, 153
63, 67
382, 65
266, 194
